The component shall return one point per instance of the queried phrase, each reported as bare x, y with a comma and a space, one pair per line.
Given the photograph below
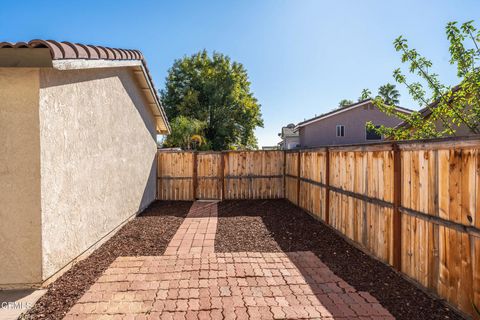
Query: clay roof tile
21, 45
55, 50
94, 53
69, 50
6, 45
123, 54
102, 52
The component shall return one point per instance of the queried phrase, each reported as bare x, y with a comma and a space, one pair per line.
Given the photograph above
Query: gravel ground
278, 225
146, 235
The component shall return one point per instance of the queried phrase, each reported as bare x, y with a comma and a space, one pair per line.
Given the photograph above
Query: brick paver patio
191, 281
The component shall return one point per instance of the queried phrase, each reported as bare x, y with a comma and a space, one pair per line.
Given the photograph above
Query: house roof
67, 55
426, 111
289, 131
342, 110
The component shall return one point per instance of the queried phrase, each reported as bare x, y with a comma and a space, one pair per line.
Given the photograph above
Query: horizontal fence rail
414, 205
220, 175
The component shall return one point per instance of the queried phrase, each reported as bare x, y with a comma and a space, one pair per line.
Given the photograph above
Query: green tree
389, 94
449, 107
366, 94
344, 103
215, 91
186, 133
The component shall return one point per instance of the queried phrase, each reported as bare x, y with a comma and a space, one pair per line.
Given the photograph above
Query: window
371, 134
340, 130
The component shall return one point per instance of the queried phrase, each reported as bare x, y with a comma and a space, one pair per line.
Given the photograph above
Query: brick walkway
191, 281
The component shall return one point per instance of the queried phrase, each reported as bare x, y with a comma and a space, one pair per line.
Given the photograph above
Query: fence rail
220, 175
414, 205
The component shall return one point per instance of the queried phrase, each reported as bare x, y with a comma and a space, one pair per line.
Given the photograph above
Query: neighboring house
461, 130
346, 125
290, 138
79, 125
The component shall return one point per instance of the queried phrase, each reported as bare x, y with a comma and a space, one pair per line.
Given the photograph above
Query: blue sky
302, 56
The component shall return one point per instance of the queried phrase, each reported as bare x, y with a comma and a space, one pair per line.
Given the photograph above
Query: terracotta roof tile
69, 50
94, 53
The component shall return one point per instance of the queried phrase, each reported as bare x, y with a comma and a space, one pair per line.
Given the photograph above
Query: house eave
73, 56
162, 125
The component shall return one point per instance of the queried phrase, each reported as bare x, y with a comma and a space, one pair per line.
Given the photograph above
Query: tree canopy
186, 133
449, 107
216, 92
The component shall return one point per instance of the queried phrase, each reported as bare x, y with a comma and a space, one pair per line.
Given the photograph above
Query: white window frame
340, 126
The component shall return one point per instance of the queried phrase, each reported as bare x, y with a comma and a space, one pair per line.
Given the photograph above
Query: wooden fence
220, 175
413, 205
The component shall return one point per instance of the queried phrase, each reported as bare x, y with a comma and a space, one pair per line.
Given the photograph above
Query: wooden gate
208, 176
188, 175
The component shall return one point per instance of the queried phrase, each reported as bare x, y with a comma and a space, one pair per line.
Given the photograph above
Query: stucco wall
323, 132
98, 147
20, 231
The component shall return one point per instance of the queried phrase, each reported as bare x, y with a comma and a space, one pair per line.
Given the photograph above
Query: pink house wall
323, 132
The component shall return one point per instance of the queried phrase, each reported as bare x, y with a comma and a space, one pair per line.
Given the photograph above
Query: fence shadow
282, 226
167, 208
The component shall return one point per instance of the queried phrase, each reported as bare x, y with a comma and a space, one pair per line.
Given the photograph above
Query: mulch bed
278, 225
146, 235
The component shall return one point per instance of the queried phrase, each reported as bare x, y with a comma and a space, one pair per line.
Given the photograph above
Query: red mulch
146, 235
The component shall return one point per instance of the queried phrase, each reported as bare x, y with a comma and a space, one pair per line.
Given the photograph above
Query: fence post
222, 175
157, 188
284, 173
298, 178
397, 215
195, 175
327, 186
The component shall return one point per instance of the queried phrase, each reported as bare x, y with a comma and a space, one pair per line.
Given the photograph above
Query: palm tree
186, 133
344, 103
366, 94
389, 94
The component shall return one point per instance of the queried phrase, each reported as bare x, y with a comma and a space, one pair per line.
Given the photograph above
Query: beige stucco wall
97, 158
20, 231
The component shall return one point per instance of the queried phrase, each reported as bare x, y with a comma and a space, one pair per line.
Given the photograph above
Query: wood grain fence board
172, 165
208, 175
291, 172
258, 175
396, 187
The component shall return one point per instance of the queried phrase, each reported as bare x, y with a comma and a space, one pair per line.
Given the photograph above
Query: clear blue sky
302, 56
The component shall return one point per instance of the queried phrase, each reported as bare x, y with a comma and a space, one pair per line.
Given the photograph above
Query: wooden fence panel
361, 195
312, 186
175, 176
254, 175
209, 177
218, 175
291, 176
440, 204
